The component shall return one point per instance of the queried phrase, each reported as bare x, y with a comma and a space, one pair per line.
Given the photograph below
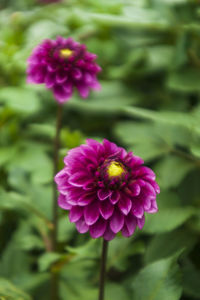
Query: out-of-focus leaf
30, 281
46, 130
140, 19
44, 29
185, 82
85, 292
22, 204
121, 250
117, 292
82, 272
175, 241
47, 259
171, 170
90, 250
6, 154
109, 100
66, 229
168, 219
22, 100
71, 139
13, 260
10, 291
159, 280
32, 157
191, 277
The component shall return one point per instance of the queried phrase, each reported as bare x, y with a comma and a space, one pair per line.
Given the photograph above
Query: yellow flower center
115, 169
66, 53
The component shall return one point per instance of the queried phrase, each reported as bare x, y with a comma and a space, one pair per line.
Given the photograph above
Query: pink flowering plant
62, 65
99, 107
106, 189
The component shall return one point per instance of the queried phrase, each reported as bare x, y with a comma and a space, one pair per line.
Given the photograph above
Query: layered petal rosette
106, 189
61, 65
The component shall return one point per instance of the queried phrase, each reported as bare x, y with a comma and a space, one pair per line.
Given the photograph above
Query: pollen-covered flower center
115, 169
66, 53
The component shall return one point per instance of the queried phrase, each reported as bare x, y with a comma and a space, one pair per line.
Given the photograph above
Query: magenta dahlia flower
106, 189
61, 65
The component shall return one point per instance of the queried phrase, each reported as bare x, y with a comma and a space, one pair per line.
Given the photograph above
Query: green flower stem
54, 276
56, 160
103, 269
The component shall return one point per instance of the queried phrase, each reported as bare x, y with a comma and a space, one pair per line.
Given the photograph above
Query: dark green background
149, 51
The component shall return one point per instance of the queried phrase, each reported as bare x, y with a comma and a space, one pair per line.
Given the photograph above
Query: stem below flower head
56, 159
54, 276
103, 269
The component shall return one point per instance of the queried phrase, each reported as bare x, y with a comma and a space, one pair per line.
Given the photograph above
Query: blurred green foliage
150, 103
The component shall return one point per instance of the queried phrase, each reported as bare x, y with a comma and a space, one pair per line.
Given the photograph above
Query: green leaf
159, 280
168, 219
120, 251
184, 81
84, 292
171, 170
82, 272
175, 241
46, 130
89, 250
164, 117
109, 101
43, 29
47, 259
116, 291
191, 277
66, 229
21, 203
32, 157
6, 154
11, 292
139, 19
22, 100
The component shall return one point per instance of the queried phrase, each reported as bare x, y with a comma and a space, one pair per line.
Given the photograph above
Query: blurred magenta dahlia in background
106, 189
61, 65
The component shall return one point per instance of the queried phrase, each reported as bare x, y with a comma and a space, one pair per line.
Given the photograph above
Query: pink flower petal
125, 205
91, 213
62, 202
61, 94
116, 221
81, 226
83, 89
106, 209
154, 208
140, 222
135, 189
109, 234
76, 73
61, 77
137, 210
129, 226
78, 179
75, 213
103, 194
114, 197
95, 85
110, 147
85, 199
98, 229
50, 80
